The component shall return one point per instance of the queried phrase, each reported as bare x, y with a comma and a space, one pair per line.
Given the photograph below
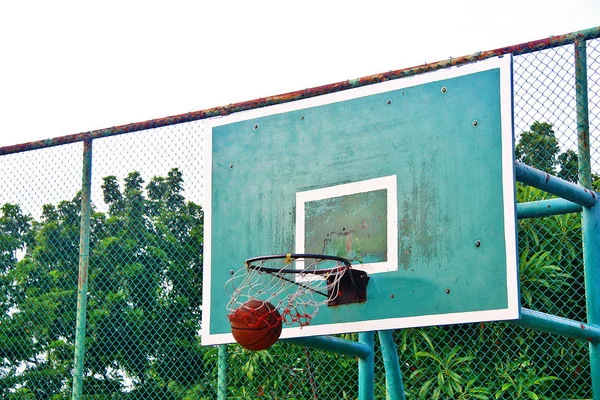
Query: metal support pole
334, 345
222, 373
583, 123
546, 208
366, 368
84, 262
393, 376
591, 261
557, 325
555, 185
591, 216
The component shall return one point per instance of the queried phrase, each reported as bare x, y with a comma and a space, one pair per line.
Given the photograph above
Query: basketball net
296, 294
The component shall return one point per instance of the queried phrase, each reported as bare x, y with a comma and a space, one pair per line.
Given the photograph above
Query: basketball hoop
297, 292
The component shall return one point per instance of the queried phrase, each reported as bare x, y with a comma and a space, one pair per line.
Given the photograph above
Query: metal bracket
351, 288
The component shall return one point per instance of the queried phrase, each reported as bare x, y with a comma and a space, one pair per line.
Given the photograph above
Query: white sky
68, 67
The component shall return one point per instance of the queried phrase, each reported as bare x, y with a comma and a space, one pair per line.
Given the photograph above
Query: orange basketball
256, 325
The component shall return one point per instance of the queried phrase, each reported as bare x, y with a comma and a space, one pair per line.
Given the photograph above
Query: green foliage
539, 279
250, 362
144, 308
446, 379
15, 228
442, 374
539, 147
36, 330
144, 299
569, 166
521, 379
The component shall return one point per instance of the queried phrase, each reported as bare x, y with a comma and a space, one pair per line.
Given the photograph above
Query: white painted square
389, 183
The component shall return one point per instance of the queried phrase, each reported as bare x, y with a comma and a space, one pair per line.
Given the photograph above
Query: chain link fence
145, 270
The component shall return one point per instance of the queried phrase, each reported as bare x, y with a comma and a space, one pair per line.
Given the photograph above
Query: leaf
425, 389
437, 393
543, 379
532, 395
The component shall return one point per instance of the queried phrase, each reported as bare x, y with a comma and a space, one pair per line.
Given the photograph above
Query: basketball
256, 325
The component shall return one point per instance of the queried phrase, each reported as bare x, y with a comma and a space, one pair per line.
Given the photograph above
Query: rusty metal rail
522, 48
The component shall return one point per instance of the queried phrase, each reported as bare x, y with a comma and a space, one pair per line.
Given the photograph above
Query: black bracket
351, 288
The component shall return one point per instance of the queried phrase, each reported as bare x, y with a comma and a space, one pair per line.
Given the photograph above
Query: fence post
583, 124
393, 376
222, 373
591, 216
366, 368
84, 261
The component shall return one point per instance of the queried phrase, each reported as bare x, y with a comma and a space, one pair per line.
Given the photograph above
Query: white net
297, 291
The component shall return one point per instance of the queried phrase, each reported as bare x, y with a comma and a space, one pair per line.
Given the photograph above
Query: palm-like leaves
540, 279
443, 374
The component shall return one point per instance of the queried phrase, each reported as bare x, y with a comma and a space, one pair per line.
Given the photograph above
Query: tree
144, 297
145, 286
37, 331
569, 166
15, 228
539, 147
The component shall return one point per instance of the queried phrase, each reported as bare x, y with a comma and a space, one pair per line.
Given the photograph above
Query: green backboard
411, 179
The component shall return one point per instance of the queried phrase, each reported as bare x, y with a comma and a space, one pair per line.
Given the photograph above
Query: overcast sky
68, 67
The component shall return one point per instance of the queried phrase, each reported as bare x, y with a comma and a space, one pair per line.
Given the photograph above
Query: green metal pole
222, 373
555, 185
591, 260
545, 208
557, 325
366, 368
583, 122
591, 216
393, 376
84, 262
334, 345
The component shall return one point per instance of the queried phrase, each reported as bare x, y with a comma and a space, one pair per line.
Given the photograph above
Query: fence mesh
145, 276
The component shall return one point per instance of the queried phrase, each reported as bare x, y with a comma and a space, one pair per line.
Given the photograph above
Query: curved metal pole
557, 325
334, 345
393, 376
366, 368
555, 185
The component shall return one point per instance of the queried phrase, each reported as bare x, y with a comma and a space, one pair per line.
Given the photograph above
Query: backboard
411, 179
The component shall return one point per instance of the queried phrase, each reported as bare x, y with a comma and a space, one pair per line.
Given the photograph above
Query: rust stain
83, 277
584, 136
591, 192
547, 177
348, 242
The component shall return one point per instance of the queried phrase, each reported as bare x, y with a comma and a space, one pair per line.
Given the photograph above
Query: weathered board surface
446, 141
